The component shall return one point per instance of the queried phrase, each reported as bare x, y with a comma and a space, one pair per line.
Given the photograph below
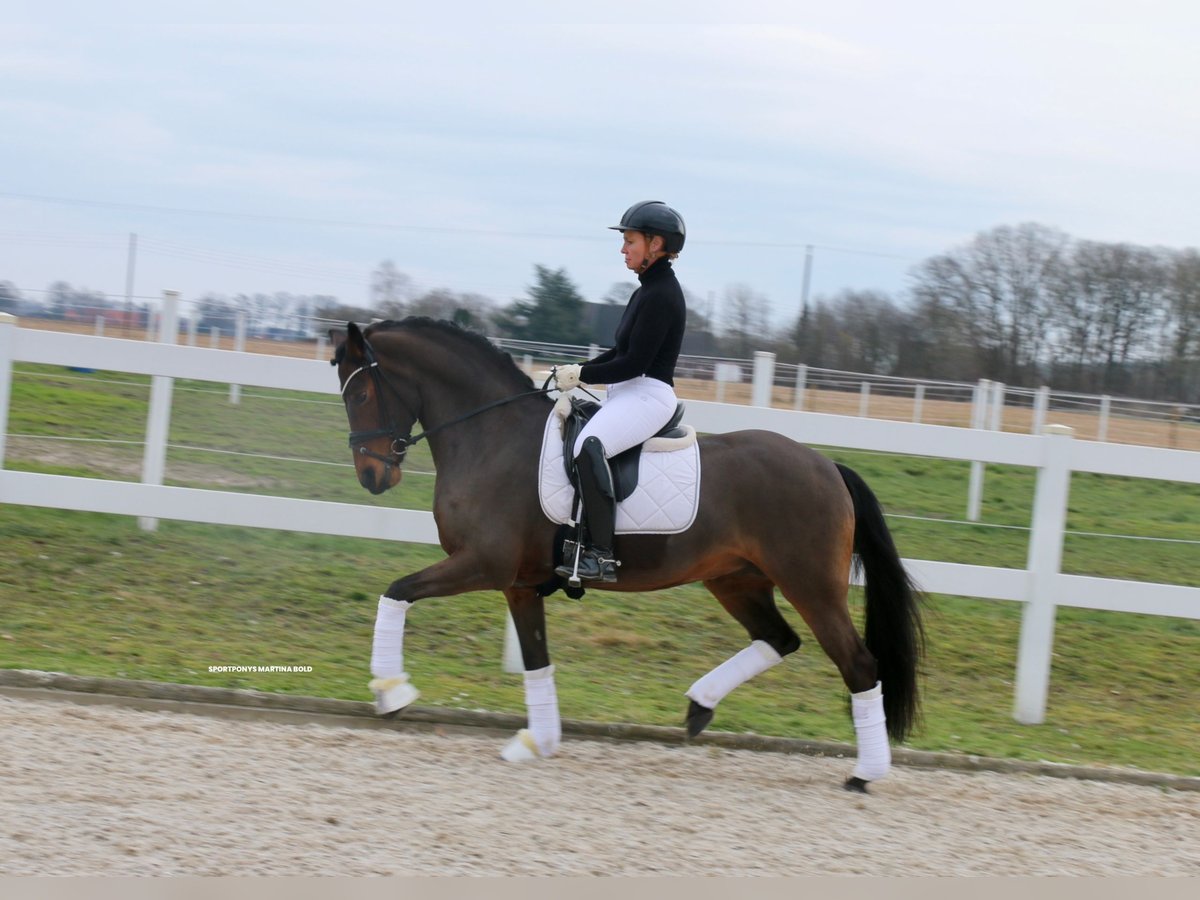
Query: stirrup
595, 565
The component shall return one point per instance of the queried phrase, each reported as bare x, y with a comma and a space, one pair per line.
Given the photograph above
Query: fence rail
931, 401
1041, 586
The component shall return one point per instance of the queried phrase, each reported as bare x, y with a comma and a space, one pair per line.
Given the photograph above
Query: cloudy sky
264, 157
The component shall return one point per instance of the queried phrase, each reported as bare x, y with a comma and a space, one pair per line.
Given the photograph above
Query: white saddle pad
664, 501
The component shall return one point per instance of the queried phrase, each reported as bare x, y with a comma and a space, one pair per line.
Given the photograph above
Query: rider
639, 371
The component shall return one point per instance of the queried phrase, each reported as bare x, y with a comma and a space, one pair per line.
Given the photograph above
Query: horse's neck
514, 428
461, 430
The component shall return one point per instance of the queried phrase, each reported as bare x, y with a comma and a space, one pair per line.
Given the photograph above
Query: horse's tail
894, 633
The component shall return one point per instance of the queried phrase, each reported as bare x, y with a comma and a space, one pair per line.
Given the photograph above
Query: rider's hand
567, 377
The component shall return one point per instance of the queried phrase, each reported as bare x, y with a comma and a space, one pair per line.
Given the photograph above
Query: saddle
624, 465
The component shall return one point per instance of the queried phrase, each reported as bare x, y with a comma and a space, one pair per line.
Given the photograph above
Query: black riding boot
596, 562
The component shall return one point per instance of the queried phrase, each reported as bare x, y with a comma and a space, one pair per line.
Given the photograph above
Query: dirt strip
108, 790
264, 706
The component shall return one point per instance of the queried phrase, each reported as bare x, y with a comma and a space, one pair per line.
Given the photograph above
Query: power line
230, 259
398, 226
271, 217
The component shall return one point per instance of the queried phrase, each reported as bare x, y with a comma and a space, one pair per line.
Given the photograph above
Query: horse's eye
360, 398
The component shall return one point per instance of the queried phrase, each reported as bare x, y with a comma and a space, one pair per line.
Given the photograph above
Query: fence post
1044, 561
801, 383
8, 341
1041, 403
158, 419
98, 326
239, 344
864, 399
978, 417
322, 342
1102, 428
918, 402
996, 419
764, 378
192, 326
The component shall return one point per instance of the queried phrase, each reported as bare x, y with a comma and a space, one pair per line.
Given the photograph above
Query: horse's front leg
544, 732
456, 574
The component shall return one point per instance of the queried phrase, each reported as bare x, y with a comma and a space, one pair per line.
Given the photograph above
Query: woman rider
639, 371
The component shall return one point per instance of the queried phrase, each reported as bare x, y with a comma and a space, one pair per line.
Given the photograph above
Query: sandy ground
107, 791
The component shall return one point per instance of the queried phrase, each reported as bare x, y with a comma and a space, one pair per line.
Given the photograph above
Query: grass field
94, 595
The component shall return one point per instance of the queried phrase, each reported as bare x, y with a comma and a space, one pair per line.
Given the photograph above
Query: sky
289, 155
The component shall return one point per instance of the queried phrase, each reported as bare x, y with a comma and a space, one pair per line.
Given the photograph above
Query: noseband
401, 441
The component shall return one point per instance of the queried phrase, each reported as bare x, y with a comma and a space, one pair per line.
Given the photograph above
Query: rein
401, 442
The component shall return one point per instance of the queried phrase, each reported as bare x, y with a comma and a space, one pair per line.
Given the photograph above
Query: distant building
121, 318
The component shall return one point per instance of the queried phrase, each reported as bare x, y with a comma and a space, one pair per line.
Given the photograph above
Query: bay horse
772, 513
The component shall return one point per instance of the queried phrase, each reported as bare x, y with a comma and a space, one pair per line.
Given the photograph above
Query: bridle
401, 440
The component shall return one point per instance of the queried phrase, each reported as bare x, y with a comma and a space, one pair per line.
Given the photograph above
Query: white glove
567, 377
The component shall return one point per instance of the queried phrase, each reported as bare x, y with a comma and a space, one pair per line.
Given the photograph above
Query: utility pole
808, 261
129, 266
804, 319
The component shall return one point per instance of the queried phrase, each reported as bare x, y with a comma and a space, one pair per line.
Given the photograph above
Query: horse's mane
454, 331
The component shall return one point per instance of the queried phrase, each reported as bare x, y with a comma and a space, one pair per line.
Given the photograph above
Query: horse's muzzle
374, 478
378, 479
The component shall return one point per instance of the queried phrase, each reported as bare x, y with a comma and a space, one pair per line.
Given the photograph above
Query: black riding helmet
655, 217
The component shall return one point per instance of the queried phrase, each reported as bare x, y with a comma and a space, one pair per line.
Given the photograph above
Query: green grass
94, 595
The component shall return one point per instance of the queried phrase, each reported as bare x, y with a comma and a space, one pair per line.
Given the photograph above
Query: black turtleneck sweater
650, 334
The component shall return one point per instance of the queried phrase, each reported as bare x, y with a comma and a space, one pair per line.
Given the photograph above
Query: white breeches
631, 413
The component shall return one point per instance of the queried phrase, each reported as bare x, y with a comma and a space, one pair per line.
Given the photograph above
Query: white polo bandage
870, 728
738, 669
541, 703
387, 648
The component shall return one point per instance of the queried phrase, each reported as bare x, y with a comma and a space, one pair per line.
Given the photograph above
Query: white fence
1040, 586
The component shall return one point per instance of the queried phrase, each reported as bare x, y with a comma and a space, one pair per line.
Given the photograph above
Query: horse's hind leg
750, 598
825, 611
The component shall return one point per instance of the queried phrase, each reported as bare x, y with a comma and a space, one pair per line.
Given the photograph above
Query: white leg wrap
390, 684
738, 669
870, 727
544, 733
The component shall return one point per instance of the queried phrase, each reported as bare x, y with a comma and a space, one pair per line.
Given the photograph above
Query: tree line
1026, 305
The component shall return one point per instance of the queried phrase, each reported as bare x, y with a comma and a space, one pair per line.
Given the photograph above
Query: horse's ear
347, 342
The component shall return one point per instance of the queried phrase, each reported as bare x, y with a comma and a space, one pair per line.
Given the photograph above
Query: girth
624, 465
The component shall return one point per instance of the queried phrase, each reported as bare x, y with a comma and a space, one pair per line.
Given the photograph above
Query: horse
484, 421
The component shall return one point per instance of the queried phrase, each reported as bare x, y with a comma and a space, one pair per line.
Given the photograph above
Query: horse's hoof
521, 748
855, 785
392, 694
697, 719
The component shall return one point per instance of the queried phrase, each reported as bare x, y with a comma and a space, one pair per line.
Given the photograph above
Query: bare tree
1106, 301
746, 320
872, 326
391, 289
468, 310
1000, 283
1181, 348
944, 339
